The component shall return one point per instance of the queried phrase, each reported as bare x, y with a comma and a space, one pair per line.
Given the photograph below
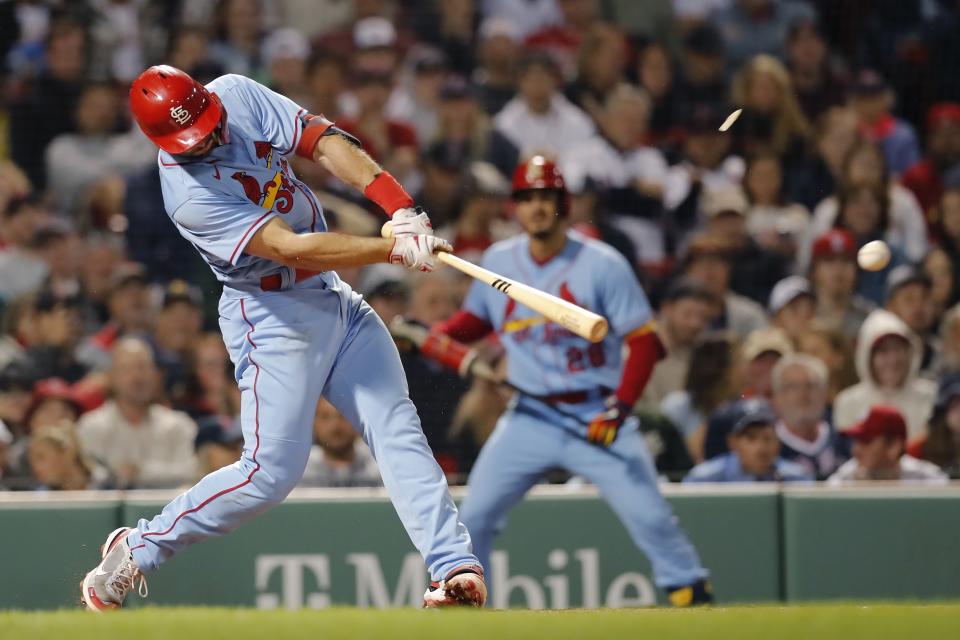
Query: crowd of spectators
786, 361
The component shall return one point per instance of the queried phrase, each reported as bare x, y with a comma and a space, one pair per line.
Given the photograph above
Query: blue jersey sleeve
625, 305
220, 227
281, 119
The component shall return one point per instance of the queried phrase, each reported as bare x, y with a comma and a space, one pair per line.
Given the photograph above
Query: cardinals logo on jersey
276, 193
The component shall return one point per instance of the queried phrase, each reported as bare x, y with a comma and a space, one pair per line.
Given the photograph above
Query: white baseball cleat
463, 587
107, 586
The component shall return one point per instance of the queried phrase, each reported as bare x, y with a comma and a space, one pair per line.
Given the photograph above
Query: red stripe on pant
256, 448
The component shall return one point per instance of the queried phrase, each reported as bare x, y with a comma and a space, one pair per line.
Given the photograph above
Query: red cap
883, 420
943, 113
834, 243
173, 109
538, 173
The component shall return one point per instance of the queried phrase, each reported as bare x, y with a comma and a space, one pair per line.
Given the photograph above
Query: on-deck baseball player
294, 330
575, 413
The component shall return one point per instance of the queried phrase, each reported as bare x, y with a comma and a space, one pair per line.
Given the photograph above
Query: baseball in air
873, 256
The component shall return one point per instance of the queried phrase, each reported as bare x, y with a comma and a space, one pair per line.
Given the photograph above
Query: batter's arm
342, 156
346, 161
325, 251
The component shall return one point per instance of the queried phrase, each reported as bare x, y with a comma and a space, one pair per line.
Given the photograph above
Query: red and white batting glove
411, 222
605, 425
417, 252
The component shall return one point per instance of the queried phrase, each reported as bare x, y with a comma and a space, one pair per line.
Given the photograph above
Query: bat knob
386, 231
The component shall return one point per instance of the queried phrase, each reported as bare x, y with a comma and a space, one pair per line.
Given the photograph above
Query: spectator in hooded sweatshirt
888, 361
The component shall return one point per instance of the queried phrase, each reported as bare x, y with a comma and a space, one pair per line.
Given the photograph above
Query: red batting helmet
538, 173
173, 109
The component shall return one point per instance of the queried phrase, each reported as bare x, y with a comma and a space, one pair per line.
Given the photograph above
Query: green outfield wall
562, 548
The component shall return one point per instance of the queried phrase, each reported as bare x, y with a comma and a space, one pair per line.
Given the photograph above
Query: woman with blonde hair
772, 119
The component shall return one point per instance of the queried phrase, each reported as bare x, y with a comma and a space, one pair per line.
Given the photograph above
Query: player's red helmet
538, 173
173, 109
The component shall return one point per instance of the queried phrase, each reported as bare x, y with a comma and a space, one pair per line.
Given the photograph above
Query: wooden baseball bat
585, 324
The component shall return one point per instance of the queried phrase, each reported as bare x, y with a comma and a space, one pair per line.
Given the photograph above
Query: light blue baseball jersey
218, 202
289, 346
543, 357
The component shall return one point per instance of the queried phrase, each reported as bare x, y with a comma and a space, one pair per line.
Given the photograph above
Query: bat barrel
585, 324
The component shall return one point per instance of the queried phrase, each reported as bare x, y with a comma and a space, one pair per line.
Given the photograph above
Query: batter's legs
368, 386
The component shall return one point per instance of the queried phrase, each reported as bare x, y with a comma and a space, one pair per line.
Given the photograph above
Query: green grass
807, 622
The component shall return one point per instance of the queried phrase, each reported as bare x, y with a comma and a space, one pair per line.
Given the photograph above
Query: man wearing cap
686, 310
888, 362
754, 269
872, 98
369, 41
833, 274
754, 452
925, 178
792, 306
908, 298
879, 452
285, 52
759, 354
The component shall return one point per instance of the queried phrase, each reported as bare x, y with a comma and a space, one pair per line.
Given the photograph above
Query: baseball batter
294, 330
575, 412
